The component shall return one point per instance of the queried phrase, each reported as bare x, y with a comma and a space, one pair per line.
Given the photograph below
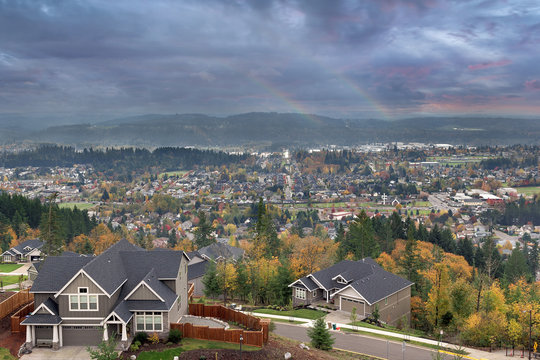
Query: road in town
361, 344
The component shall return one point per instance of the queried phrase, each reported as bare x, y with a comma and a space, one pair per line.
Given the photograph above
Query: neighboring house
30, 250
196, 273
200, 259
84, 300
219, 251
361, 284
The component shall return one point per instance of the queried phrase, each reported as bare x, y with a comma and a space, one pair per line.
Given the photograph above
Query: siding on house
143, 293
82, 281
397, 306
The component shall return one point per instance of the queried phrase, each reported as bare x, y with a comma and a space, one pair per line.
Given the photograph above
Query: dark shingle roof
365, 276
142, 305
160, 288
107, 270
56, 271
32, 243
379, 285
42, 319
310, 284
197, 270
217, 250
51, 305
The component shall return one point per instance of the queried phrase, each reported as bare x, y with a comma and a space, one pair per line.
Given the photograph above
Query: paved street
359, 343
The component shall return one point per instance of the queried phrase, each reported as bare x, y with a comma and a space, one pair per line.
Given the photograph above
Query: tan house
126, 289
361, 284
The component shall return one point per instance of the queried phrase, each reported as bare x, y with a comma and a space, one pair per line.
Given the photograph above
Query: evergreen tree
105, 196
320, 335
397, 226
210, 280
242, 281
465, 248
172, 241
50, 230
516, 266
410, 261
203, 233
279, 285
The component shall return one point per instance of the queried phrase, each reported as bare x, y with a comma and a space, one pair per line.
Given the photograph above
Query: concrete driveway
65, 353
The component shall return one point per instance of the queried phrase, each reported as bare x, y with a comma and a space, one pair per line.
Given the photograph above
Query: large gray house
126, 289
361, 284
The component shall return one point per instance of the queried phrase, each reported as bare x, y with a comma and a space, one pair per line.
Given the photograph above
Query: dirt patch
275, 349
7, 340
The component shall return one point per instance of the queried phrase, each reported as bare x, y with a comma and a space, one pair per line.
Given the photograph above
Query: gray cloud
346, 58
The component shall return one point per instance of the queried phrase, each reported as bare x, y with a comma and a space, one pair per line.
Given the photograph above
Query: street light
241, 339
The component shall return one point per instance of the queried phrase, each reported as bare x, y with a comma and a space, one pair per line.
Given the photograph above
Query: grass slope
6, 268
299, 313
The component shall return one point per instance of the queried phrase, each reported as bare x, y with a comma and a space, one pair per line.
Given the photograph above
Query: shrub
141, 337
271, 326
154, 338
175, 336
135, 346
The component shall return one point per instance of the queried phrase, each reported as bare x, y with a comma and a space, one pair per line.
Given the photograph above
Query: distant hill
290, 129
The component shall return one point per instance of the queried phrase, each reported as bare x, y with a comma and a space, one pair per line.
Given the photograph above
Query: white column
28, 333
55, 334
105, 333
124, 332
33, 335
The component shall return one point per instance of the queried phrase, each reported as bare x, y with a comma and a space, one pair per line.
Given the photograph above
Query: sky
383, 59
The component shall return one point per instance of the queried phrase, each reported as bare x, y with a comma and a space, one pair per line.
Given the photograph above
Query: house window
386, 301
300, 294
341, 280
83, 301
149, 321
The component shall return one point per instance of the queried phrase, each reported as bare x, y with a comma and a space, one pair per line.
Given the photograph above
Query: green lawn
283, 320
79, 205
11, 279
299, 313
421, 204
6, 355
178, 173
5, 268
191, 344
411, 332
528, 190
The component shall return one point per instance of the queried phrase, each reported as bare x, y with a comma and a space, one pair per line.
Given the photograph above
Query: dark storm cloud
343, 58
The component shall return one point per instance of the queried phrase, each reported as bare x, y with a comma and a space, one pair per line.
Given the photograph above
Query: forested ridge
123, 163
21, 218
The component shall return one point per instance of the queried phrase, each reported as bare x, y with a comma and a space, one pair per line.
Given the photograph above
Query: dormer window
341, 280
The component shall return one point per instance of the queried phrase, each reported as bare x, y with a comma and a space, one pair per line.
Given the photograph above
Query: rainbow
301, 109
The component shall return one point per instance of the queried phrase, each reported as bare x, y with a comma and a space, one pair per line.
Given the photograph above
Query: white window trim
144, 314
300, 294
79, 302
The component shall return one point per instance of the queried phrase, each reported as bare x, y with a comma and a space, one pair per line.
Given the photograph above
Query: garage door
81, 335
348, 304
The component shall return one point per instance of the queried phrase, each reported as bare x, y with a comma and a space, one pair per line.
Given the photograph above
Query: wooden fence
19, 316
256, 336
14, 302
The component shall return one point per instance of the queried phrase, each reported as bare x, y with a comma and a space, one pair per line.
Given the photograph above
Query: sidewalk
473, 354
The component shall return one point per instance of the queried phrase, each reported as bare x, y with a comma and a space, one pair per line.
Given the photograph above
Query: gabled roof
56, 271
365, 276
42, 319
107, 270
197, 270
218, 250
123, 267
25, 247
